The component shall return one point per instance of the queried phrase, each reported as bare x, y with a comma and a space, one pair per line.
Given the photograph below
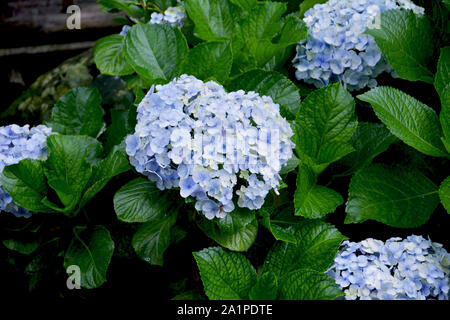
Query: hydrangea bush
410, 269
199, 130
338, 49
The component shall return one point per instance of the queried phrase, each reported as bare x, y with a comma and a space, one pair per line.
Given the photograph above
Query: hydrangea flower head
337, 49
410, 269
174, 16
211, 144
18, 143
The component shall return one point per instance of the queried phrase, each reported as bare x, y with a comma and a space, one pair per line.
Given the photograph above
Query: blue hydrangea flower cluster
211, 144
337, 48
18, 143
174, 16
410, 269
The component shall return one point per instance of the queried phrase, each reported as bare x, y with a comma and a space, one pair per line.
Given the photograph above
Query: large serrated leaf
25, 183
442, 85
109, 56
91, 250
153, 238
396, 197
225, 275
78, 112
103, 171
266, 288
324, 126
399, 37
316, 248
69, 167
307, 284
156, 51
311, 200
140, 201
237, 231
444, 194
369, 140
413, 122
210, 61
213, 19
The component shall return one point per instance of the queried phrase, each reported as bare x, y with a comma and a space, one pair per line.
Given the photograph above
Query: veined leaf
209, 60
153, 238
396, 197
442, 85
316, 247
109, 56
311, 200
444, 193
25, 183
401, 34
324, 126
237, 231
78, 112
408, 119
155, 51
304, 284
266, 288
140, 201
225, 275
91, 250
213, 19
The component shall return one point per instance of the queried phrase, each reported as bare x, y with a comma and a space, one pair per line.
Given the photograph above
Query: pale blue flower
337, 48
392, 270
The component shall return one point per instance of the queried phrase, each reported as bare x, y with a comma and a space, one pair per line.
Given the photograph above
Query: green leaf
281, 230
78, 112
311, 200
109, 56
442, 85
266, 288
91, 250
396, 197
23, 246
123, 5
316, 247
213, 19
444, 193
401, 34
245, 5
209, 61
307, 284
140, 201
103, 171
237, 231
308, 4
294, 30
324, 126
369, 140
25, 183
225, 275
155, 51
123, 123
68, 168
269, 83
153, 238
252, 42
413, 122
